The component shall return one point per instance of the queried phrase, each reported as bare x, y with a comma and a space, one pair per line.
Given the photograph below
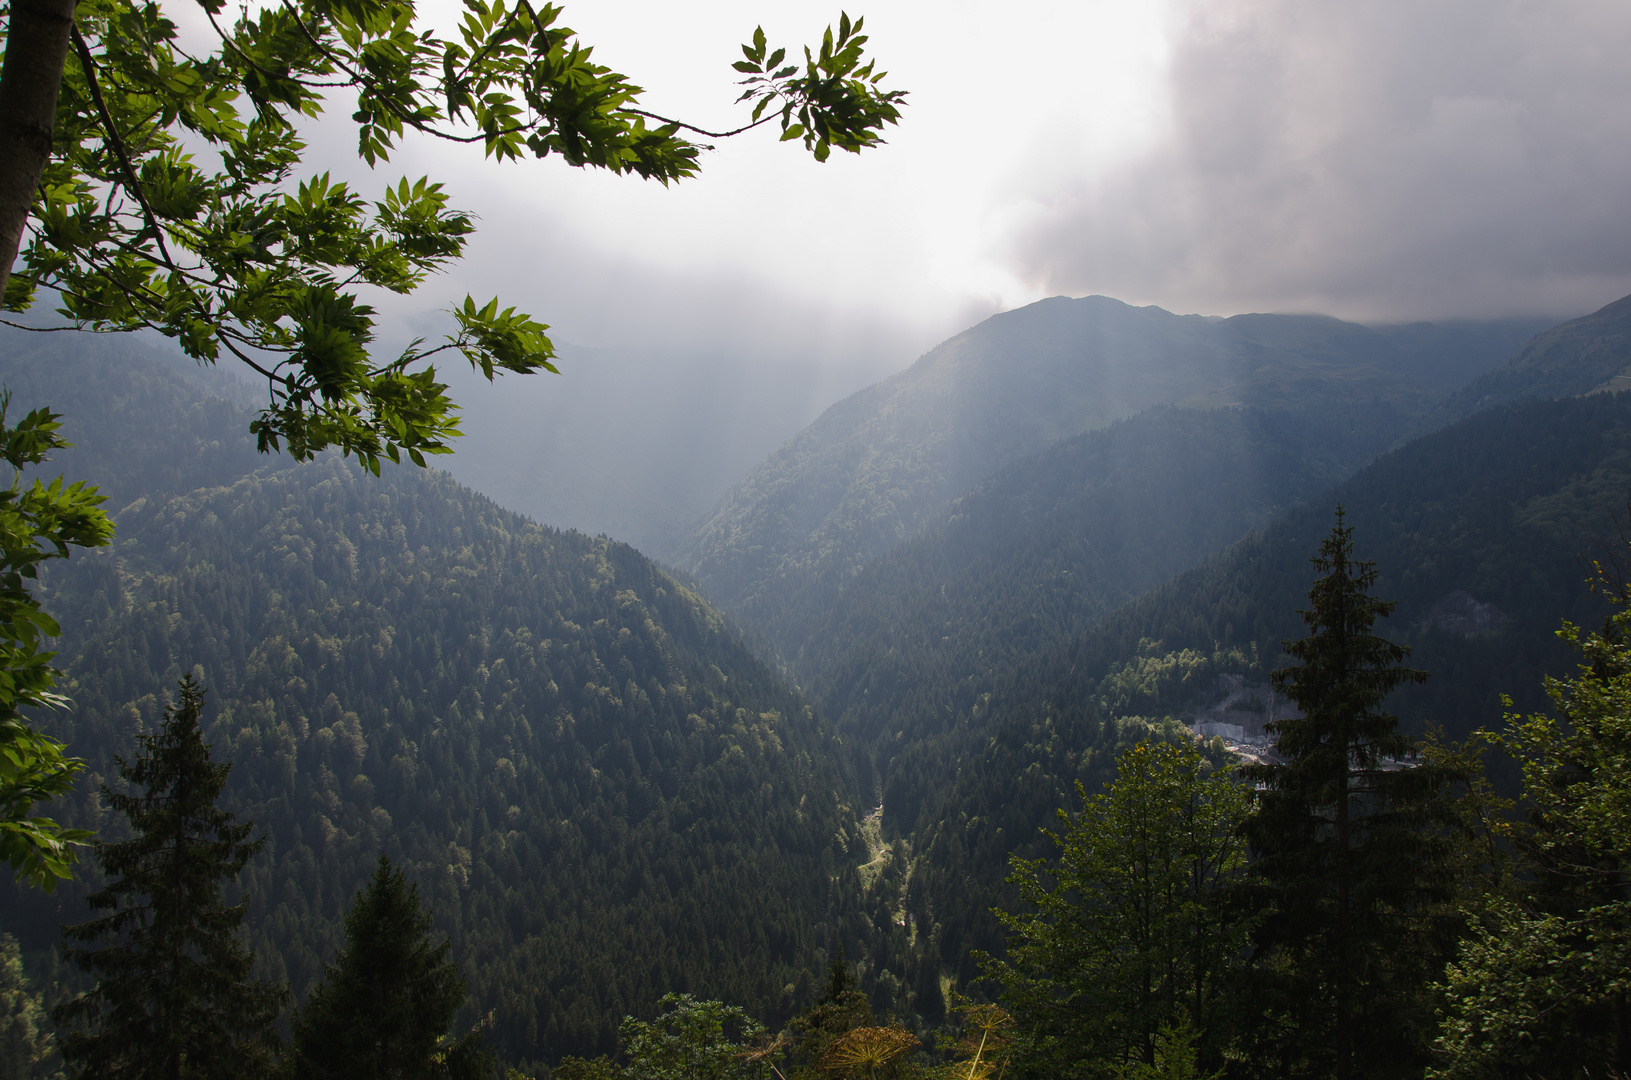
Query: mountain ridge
1591, 353
875, 468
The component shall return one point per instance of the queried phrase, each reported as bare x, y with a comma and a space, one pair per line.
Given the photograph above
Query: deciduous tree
1128, 933
694, 1040
147, 185
38, 522
1543, 987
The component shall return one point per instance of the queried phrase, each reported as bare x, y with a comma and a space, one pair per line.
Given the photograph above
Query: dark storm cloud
1387, 159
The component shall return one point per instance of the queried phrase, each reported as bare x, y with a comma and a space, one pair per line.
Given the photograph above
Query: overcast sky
1385, 160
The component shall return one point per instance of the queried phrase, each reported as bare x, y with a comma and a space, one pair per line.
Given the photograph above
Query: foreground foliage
694, 1040
169, 194
1544, 987
38, 522
1129, 933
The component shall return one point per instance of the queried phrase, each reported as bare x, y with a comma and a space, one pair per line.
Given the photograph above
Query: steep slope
1585, 354
1477, 530
602, 795
1047, 545
874, 469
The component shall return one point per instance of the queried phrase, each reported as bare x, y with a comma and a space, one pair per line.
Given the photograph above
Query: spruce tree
173, 997
1351, 864
384, 1006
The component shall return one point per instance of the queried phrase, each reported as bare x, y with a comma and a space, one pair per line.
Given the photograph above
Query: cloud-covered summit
1387, 160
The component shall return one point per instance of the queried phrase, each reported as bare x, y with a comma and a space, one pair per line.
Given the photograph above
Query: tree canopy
1126, 935
1540, 989
148, 186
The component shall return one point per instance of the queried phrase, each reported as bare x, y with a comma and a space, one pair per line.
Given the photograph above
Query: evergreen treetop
383, 1011
1353, 867
174, 997
841, 1009
1342, 674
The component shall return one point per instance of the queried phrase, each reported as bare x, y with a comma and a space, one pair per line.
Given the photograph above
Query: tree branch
89, 64
702, 131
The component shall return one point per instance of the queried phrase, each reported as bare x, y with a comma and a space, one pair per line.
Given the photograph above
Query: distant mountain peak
874, 469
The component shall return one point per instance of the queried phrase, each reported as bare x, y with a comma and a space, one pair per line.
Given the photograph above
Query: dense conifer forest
1502, 508
585, 770
618, 834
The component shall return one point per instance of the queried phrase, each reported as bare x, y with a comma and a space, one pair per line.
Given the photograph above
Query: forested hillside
1585, 354
1457, 351
602, 795
1495, 511
1047, 545
875, 469
143, 419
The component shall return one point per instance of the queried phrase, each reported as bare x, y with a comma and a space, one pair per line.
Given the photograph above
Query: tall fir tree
174, 998
384, 1007
1351, 869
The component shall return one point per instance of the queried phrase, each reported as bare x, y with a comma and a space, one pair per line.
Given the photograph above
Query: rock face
1461, 613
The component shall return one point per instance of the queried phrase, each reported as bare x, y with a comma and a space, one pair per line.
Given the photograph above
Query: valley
861, 685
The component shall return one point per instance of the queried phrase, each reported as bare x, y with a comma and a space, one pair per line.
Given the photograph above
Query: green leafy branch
838, 101
171, 202
38, 522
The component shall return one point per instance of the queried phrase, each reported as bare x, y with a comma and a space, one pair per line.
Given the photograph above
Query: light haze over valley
1029, 599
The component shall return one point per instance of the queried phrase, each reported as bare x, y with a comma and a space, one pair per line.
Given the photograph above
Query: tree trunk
36, 48
1344, 971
